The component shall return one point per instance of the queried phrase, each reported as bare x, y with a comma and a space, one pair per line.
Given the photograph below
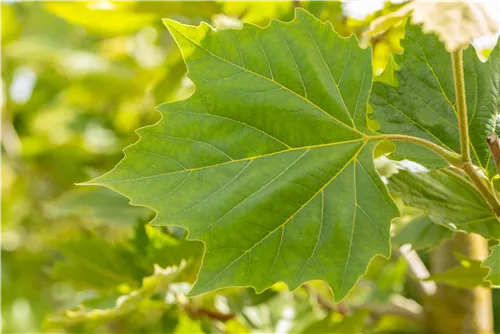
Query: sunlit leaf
260, 12
100, 17
10, 25
266, 162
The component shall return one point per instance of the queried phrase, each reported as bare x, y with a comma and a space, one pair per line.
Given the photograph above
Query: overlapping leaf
493, 263
448, 199
468, 275
267, 163
422, 233
423, 104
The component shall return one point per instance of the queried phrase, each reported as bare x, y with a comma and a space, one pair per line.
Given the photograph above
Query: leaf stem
463, 125
463, 128
452, 158
488, 196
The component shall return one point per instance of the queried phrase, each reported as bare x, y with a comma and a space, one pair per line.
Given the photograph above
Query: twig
418, 269
494, 145
401, 306
325, 303
398, 305
212, 314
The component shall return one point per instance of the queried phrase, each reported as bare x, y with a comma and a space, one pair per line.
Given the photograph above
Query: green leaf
448, 199
98, 19
423, 104
97, 204
388, 75
259, 12
493, 263
267, 163
336, 323
422, 233
93, 262
466, 276
10, 25
134, 301
114, 18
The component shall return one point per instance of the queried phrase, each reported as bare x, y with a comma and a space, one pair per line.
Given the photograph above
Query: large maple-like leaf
267, 162
423, 104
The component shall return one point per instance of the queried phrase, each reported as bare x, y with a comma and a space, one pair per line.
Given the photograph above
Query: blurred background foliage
77, 79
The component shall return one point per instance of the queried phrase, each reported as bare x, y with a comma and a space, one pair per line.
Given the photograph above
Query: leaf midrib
365, 139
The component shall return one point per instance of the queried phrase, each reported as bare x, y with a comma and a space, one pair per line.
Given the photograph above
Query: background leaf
422, 233
448, 199
468, 275
493, 263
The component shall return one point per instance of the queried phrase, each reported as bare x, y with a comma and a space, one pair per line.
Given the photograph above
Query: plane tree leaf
423, 104
493, 263
268, 162
447, 199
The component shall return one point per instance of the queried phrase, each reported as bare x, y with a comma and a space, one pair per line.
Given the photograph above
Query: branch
401, 306
494, 145
418, 269
398, 305
325, 303
205, 312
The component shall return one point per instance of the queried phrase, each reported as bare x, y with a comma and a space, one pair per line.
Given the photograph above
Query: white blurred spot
221, 304
21, 313
221, 21
488, 42
360, 9
79, 63
285, 323
100, 140
413, 166
101, 5
11, 240
23, 82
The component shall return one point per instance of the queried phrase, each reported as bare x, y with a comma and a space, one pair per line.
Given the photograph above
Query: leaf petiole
452, 158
